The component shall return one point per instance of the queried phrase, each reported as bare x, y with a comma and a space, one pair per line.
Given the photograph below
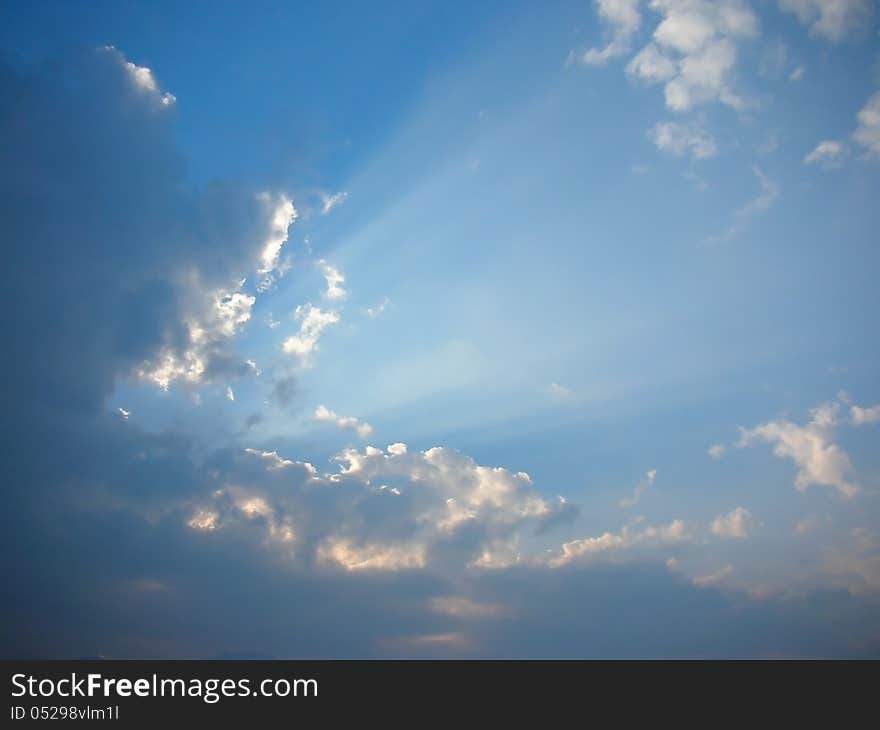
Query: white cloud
274, 462
388, 510
608, 542
329, 202
868, 132
683, 139
218, 317
204, 520
827, 153
797, 73
811, 447
652, 65
278, 526
736, 524
232, 310
335, 279
313, 321
282, 216
859, 416
833, 20
644, 484
371, 556
716, 451
694, 51
363, 429
142, 77
623, 20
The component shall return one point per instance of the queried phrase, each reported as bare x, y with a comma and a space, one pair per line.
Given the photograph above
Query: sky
430, 329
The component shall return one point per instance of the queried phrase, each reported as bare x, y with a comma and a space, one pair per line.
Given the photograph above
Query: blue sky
372, 324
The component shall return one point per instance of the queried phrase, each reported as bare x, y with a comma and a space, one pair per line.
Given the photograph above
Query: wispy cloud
831, 20
682, 139
644, 484
768, 194
331, 201
827, 153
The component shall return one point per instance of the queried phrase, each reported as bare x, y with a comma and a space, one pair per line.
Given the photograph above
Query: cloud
719, 576
622, 17
284, 390
376, 311
200, 350
609, 542
344, 553
642, 487
868, 132
859, 416
282, 215
559, 392
274, 461
139, 271
827, 153
761, 202
335, 291
329, 202
776, 63
382, 510
693, 51
716, 451
682, 139
736, 524
259, 523
811, 447
313, 321
833, 20
142, 77
652, 65
852, 563
363, 429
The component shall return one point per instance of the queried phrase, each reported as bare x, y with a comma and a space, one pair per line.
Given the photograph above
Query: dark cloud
285, 391
110, 253
111, 250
